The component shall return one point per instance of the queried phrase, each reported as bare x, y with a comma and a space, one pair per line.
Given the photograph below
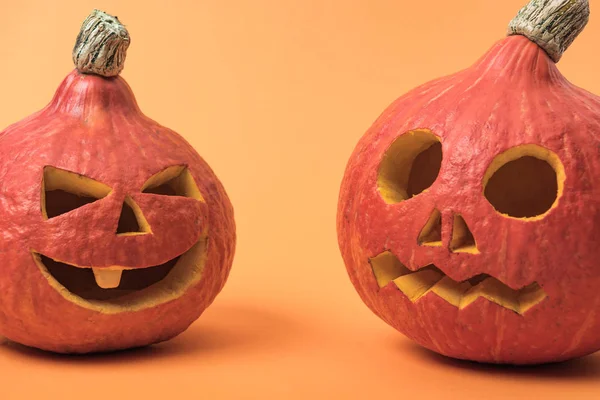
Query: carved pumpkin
469, 212
114, 233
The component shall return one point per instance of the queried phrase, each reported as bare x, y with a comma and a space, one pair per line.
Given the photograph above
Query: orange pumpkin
469, 212
114, 232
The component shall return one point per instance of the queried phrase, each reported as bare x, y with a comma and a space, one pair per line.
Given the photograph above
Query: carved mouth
105, 283
115, 288
430, 279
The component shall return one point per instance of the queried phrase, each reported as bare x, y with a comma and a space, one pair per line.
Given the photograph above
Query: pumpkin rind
514, 95
94, 127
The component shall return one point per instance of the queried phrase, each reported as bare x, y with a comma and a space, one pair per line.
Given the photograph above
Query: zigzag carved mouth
416, 284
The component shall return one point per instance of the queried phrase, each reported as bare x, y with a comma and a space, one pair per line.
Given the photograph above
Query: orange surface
275, 94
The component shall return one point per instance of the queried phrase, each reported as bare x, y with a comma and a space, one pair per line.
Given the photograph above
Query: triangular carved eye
173, 181
64, 191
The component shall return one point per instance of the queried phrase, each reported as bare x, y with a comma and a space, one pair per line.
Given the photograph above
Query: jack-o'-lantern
114, 232
469, 212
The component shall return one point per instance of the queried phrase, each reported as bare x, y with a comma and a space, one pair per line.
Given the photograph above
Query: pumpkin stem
101, 45
551, 24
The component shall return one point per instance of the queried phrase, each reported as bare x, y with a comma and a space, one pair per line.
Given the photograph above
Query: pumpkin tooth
108, 278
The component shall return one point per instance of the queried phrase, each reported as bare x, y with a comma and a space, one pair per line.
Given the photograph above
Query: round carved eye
410, 166
524, 182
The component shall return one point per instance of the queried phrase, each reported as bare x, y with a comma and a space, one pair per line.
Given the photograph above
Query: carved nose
461, 238
132, 220
431, 234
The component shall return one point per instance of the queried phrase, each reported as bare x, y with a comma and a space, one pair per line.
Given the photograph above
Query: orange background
274, 94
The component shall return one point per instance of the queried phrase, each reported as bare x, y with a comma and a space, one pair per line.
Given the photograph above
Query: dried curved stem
551, 24
101, 45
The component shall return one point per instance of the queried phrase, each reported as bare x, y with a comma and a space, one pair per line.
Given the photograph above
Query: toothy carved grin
117, 288
102, 283
416, 284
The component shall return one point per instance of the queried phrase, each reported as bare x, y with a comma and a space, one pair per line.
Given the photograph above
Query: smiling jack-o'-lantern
469, 212
114, 233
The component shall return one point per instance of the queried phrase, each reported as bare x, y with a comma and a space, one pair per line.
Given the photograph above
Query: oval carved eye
173, 181
410, 166
64, 191
524, 182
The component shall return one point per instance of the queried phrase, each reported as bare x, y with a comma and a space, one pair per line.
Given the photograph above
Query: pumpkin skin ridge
528, 142
23, 317
358, 192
